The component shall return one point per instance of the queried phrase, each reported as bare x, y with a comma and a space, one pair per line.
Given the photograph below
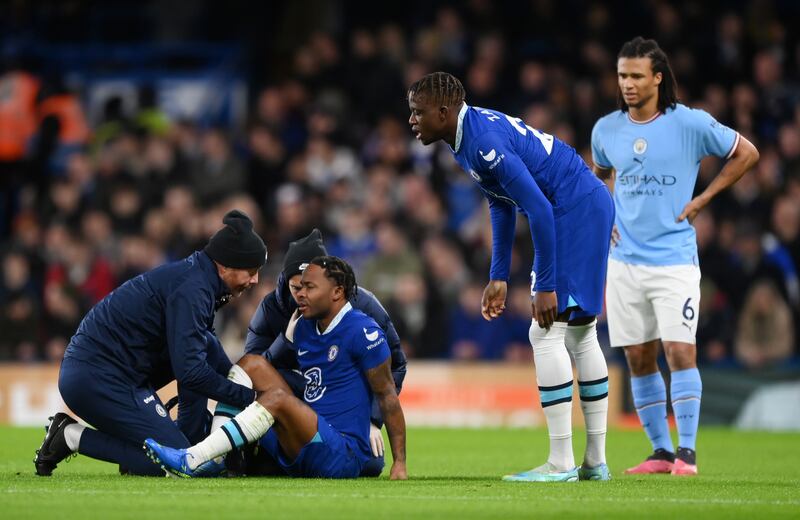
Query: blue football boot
175, 461
599, 472
544, 473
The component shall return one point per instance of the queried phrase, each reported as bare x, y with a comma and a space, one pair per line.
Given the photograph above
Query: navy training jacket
159, 326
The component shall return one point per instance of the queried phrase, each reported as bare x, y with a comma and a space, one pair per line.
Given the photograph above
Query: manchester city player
345, 359
570, 213
651, 150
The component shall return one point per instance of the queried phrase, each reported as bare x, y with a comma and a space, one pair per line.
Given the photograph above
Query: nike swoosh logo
489, 157
371, 336
302, 352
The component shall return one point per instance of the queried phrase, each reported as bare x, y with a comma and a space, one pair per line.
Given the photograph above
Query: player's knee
274, 399
546, 340
680, 356
251, 363
640, 361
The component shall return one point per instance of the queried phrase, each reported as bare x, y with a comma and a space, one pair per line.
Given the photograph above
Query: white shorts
645, 302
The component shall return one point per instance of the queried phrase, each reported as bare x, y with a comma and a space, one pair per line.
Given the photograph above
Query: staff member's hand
375, 440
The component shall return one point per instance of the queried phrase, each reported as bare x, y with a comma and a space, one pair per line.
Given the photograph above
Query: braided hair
668, 88
340, 272
442, 88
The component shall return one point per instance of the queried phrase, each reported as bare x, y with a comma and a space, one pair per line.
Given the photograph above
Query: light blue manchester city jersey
656, 165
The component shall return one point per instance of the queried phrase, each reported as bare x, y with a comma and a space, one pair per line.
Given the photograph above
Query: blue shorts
583, 237
328, 455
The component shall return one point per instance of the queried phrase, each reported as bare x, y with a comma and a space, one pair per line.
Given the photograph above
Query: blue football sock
650, 399
686, 389
101, 446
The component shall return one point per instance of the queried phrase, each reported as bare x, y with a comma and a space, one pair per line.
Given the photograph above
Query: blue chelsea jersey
334, 364
656, 165
517, 166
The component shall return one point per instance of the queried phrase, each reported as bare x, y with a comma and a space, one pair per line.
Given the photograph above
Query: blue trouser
124, 414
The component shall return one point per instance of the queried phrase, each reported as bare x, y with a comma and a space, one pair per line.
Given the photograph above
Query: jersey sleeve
517, 181
504, 220
599, 157
369, 345
712, 137
266, 326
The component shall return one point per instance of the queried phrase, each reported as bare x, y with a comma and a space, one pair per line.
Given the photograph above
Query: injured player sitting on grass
344, 358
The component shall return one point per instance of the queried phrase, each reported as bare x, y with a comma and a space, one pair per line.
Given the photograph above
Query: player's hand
399, 471
375, 440
615, 236
291, 326
691, 210
545, 308
493, 302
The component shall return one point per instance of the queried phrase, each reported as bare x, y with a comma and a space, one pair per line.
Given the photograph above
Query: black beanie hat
301, 252
237, 245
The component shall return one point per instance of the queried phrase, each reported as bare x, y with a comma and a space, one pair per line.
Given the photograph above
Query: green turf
453, 474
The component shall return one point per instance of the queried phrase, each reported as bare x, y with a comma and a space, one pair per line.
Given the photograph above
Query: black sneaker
662, 454
54, 448
687, 455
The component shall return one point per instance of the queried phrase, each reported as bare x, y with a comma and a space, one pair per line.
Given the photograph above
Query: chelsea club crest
639, 146
333, 352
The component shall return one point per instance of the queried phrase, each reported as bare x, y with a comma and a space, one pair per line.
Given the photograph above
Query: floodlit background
128, 128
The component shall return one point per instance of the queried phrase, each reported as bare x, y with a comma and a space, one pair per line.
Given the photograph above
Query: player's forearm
395, 424
745, 157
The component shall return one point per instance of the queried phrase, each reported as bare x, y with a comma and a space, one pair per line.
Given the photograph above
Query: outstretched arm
382, 385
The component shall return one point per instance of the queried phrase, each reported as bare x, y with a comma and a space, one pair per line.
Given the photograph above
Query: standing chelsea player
651, 150
519, 168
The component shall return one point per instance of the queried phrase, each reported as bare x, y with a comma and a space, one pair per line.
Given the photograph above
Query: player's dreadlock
668, 88
444, 89
340, 272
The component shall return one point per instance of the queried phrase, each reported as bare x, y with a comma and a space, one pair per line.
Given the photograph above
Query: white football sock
247, 427
224, 412
554, 377
581, 342
72, 435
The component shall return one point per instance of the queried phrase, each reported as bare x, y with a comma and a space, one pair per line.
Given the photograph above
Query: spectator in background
765, 334
216, 173
20, 310
471, 337
393, 260
325, 115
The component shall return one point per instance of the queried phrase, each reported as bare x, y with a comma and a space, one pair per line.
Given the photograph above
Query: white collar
332, 325
460, 127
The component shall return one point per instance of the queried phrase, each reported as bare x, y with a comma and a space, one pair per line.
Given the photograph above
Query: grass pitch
453, 474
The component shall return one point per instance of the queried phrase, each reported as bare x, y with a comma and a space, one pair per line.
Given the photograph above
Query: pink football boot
661, 461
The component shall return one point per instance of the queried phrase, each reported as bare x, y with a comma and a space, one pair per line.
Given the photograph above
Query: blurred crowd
86, 205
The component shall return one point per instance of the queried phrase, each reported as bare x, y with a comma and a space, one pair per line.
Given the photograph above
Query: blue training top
161, 322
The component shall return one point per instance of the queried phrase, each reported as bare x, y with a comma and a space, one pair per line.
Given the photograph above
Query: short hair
339, 271
668, 88
443, 88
